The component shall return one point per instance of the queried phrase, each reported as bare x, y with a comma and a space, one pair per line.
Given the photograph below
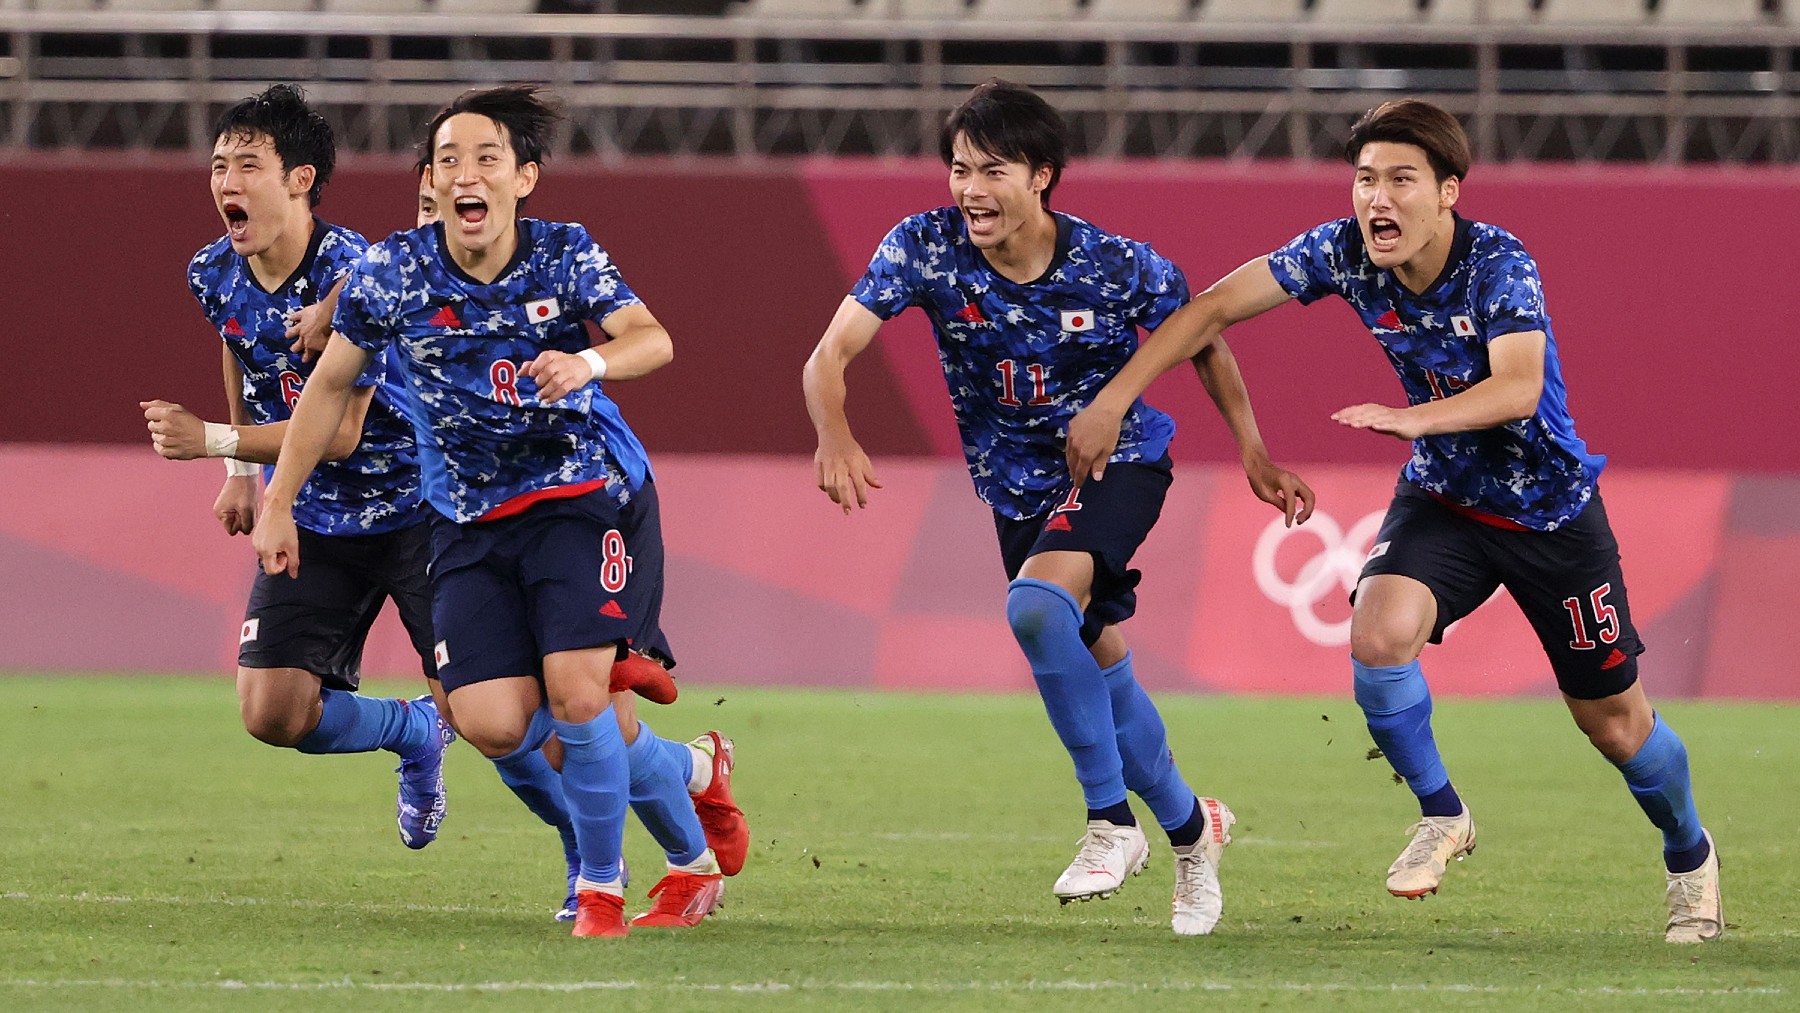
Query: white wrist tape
221, 440
240, 469
592, 357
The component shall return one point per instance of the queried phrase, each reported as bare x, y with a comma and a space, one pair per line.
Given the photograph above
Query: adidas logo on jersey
233, 329
446, 317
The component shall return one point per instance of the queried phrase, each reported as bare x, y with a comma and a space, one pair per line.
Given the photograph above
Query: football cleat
1695, 914
1436, 840
1198, 899
683, 899
644, 676
1108, 854
598, 913
420, 807
727, 832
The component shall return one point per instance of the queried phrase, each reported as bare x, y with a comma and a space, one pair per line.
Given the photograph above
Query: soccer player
1499, 490
361, 516
1034, 310
547, 556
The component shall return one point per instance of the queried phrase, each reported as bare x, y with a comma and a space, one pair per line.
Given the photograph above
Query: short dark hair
525, 111
1419, 123
301, 136
1013, 122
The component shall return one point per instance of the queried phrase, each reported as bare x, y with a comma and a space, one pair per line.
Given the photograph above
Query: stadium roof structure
753, 86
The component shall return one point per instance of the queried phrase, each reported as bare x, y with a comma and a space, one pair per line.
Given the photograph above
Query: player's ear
300, 180
1448, 192
528, 177
1040, 178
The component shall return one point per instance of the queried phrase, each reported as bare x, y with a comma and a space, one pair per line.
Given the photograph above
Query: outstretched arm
1274, 485
1244, 293
1510, 393
317, 418
844, 470
638, 346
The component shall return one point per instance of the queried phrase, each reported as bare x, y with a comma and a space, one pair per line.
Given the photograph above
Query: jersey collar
306, 262
519, 254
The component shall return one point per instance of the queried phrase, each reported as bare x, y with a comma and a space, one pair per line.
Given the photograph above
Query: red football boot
682, 900
643, 676
727, 832
599, 914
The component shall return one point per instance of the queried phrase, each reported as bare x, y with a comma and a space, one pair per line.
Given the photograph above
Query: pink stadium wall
1669, 289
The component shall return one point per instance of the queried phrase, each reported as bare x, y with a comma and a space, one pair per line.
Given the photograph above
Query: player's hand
176, 433
557, 374
1396, 422
1282, 489
1093, 436
236, 506
277, 542
845, 474
309, 327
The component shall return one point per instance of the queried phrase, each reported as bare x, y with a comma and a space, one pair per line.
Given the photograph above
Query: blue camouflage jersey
485, 439
376, 488
1534, 472
1022, 359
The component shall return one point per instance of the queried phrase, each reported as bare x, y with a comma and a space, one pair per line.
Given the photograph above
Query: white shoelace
1426, 837
1095, 847
1192, 872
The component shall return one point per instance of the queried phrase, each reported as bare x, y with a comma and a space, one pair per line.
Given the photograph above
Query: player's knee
494, 739
1381, 644
277, 726
1033, 608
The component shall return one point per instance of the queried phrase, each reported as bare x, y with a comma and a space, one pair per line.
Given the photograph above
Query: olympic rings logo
1333, 570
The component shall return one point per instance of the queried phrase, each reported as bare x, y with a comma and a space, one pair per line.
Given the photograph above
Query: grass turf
157, 858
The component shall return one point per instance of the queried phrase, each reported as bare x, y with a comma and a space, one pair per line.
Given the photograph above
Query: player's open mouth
237, 220
471, 210
1384, 231
981, 219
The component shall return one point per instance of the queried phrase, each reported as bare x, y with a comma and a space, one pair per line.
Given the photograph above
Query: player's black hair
525, 112
1419, 123
301, 136
1011, 121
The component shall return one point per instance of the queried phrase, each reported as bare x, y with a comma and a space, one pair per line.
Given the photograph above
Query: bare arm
1244, 293
844, 470
638, 347
318, 417
1509, 394
180, 435
1275, 486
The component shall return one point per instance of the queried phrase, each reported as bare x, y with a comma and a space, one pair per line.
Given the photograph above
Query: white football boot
1198, 899
1436, 840
1108, 854
1695, 915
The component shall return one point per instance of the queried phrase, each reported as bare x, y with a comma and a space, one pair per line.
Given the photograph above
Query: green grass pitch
157, 858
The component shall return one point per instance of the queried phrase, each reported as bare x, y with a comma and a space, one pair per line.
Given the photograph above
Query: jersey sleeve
1161, 288
336, 260
591, 281
886, 287
368, 309
1311, 265
1511, 295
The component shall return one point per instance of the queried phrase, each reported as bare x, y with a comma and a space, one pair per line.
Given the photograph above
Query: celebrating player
361, 516
547, 559
1499, 490
1034, 310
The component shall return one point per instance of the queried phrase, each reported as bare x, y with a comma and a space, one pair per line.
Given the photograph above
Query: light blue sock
1658, 779
659, 778
1046, 620
1397, 705
531, 777
1149, 767
596, 784
350, 723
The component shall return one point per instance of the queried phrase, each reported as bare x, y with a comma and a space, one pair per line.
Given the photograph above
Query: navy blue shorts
1567, 582
319, 621
565, 575
1107, 519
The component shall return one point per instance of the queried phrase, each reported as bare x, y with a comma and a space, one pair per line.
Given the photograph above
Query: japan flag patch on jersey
540, 311
1077, 321
440, 654
1463, 326
249, 630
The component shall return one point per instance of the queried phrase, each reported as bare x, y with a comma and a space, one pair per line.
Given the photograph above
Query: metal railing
752, 88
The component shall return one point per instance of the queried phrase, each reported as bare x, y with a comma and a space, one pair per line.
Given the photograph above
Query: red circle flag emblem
1078, 321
